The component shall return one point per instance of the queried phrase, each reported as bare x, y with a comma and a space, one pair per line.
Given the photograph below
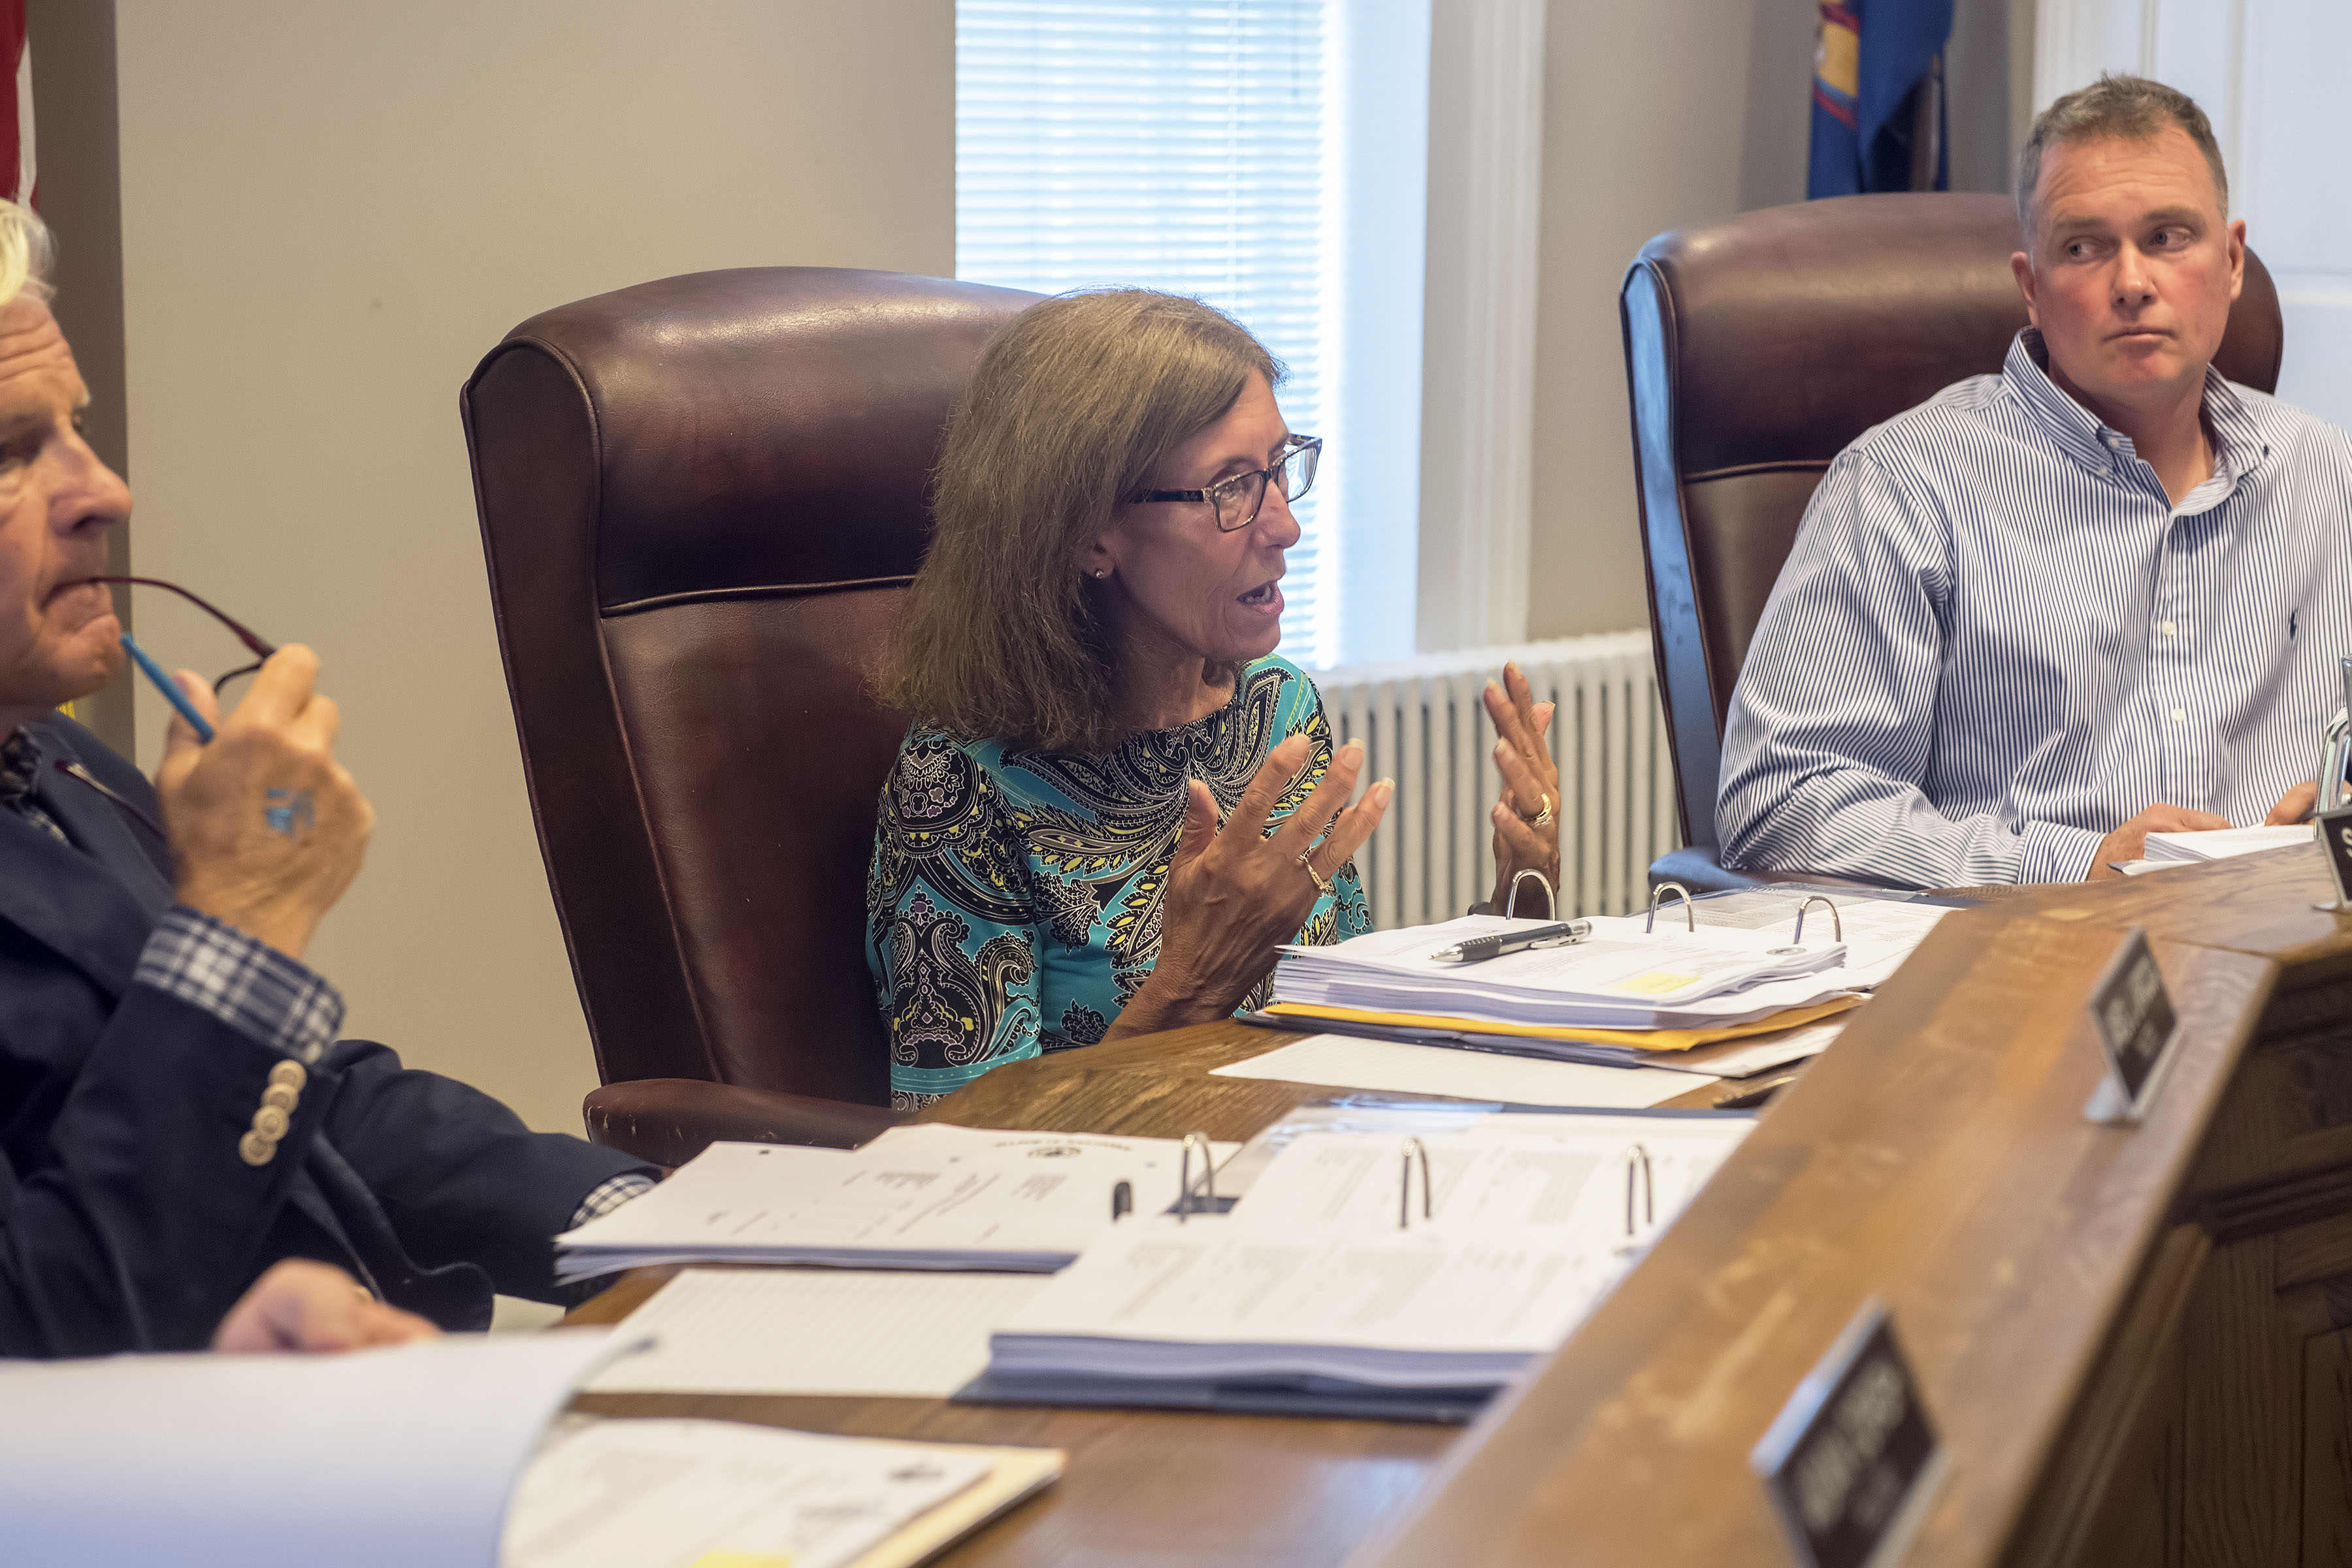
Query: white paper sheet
817, 1330
1756, 1053
926, 1197
671, 1494
1343, 1062
1621, 971
1562, 1180
1216, 1297
2223, 844
381, 1458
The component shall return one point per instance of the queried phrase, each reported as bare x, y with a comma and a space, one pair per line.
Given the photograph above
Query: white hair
26, 249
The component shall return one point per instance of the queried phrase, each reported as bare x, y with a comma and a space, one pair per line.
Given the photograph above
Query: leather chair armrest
669, 1121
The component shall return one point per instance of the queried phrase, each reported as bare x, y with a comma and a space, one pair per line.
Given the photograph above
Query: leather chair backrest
701, 500
1756, 349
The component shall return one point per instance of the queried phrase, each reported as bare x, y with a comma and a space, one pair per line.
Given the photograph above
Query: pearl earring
1101, 573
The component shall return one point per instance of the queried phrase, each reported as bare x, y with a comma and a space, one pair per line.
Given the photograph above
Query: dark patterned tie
20, 769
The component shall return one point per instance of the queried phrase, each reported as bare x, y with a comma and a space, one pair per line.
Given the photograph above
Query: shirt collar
2240, 444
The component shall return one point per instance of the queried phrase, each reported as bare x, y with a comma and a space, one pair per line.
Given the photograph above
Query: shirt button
2168, 628
2181, 715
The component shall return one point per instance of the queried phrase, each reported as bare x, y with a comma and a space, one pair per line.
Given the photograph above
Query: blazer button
256, 1150
288, 1075
283, 1098
270, 1122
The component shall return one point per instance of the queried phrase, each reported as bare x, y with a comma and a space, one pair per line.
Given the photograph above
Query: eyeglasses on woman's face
1238, 497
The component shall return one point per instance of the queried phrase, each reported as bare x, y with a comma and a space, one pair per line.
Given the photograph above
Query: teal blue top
1014, 903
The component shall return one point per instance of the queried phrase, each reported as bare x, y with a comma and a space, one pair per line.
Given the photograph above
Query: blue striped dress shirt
1997, 638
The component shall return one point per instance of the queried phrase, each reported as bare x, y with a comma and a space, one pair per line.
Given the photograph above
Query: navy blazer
128, 1220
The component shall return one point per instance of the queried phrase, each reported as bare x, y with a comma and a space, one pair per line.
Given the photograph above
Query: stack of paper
1879, 933
1347, 1271
2223, 844
1619, 979
927, 1196
691, 1494
844, 1332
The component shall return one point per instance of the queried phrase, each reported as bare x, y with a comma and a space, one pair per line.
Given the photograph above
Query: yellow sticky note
742, 1560
1657, 982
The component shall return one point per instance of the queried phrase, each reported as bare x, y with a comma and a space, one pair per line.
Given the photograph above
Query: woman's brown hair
1072, 408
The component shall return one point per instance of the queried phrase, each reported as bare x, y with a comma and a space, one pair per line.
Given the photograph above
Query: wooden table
2137, 1343
1164, 1487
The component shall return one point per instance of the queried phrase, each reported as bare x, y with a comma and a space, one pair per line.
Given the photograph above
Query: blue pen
169, 688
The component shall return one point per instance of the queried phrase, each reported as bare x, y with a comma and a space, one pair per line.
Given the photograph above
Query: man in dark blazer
175, 1112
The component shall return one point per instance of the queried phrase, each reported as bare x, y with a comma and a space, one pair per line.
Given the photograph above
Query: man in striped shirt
2052, 611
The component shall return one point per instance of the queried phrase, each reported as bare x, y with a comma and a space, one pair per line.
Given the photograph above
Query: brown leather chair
701, 500
1757, 349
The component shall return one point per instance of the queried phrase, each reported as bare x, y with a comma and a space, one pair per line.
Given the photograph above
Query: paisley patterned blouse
1013, 904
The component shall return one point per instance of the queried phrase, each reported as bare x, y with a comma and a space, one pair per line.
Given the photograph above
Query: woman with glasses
1115, 801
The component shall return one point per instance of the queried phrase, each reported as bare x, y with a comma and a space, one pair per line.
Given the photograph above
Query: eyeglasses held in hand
1238, 499
251, 640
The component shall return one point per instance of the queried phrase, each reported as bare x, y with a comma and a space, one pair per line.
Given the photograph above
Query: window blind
1175, 144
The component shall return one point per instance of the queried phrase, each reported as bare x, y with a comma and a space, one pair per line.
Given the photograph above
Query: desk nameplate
2136, 1024
2336, 841
1852, 1461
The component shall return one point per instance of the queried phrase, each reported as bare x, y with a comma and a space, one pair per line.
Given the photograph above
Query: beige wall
1657, 116
328, 213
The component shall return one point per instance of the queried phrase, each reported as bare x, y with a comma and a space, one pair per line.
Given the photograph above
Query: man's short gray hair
25, 252
2126, 108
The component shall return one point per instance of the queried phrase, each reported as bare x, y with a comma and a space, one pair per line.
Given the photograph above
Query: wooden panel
2327, 1451
2111, 1492
1937, 1157
2241, 1417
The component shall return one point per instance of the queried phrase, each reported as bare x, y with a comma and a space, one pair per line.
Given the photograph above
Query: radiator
1423, 724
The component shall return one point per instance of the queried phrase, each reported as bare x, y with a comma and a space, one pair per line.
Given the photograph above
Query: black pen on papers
1122, 1200
1478, 948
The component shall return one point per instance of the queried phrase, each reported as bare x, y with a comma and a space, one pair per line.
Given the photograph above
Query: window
1268, 157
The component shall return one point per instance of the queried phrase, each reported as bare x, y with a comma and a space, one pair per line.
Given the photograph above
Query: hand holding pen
266, 828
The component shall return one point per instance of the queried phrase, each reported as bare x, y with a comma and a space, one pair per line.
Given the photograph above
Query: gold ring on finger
1542, 818
1322, 883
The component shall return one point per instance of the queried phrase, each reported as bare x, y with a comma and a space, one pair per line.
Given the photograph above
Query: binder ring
1638, 1174
1412, 1147
1690, 915
1797, 942
1837, 922
1511, 903
1184, 1175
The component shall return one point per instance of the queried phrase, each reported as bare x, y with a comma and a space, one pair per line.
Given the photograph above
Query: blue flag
1872, 54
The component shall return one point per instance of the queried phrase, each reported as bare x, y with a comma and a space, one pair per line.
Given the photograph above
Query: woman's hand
1527, 819
1234, 894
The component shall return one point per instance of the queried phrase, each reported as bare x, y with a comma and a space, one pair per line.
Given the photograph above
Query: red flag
18, 177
